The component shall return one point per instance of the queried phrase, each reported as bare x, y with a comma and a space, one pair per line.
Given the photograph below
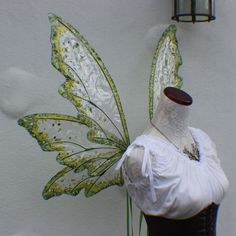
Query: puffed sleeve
137, 166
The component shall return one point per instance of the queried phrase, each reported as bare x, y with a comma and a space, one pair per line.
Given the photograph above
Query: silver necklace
192, 155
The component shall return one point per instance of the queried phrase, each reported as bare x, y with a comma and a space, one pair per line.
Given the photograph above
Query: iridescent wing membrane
164, 69
91, 143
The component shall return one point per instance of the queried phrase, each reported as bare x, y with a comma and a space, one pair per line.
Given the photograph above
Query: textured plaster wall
124, 33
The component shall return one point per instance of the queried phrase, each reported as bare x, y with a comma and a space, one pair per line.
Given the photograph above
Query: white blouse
165, 182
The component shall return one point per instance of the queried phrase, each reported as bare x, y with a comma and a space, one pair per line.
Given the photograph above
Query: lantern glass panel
202, 7
183, 6
213, 7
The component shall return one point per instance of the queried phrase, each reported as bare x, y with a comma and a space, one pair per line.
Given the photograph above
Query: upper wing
88, 86
164, 69
90, 144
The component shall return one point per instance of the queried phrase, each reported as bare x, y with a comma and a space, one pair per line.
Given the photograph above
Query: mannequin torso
171, 124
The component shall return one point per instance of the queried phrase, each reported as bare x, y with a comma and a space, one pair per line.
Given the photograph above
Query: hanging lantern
194, 10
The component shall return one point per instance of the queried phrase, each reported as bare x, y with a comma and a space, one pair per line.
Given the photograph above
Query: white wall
124, 33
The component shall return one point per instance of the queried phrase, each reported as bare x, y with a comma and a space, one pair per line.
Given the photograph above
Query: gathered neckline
196, 140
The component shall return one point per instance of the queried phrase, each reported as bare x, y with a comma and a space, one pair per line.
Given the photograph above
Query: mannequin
170, 124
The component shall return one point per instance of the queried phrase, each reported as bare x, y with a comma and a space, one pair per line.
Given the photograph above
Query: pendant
192, 155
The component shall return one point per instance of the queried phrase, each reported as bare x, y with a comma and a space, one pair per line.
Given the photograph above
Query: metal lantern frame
191, 15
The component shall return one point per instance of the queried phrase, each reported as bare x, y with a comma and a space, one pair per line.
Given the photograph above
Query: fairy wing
88, 86
164, 69
90, 143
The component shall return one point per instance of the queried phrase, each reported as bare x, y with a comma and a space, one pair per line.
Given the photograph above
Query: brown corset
202, 224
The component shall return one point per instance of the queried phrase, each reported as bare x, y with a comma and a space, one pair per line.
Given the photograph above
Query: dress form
170, 122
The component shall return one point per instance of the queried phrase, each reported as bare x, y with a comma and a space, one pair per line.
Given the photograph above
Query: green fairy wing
164, 69
88, 86
90, 143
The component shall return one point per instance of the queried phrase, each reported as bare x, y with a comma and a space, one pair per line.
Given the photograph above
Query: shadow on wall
18, 92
